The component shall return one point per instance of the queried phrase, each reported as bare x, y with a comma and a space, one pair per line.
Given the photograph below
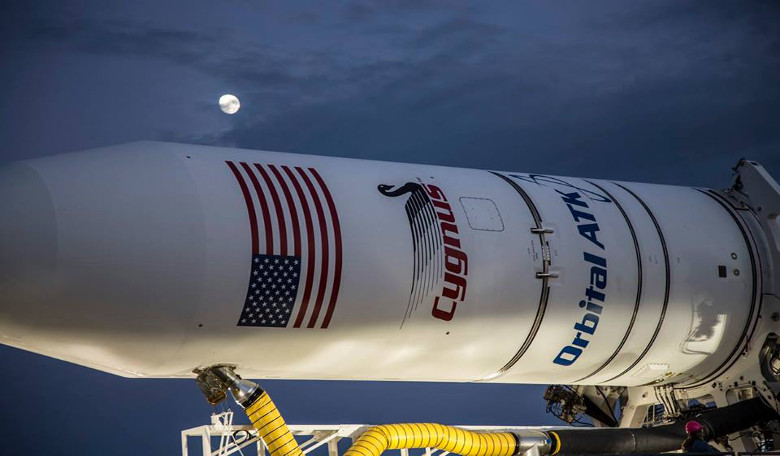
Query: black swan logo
426, 240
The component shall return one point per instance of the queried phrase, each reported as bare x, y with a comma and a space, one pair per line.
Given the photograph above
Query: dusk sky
665, 92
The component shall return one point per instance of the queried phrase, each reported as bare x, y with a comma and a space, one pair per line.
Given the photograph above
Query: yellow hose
431, 435
270, 425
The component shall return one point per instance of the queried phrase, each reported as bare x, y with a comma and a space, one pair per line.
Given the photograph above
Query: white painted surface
113, 258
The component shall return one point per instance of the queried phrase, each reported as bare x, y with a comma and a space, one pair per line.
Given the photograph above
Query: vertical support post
260, 447
206, 440
333, 447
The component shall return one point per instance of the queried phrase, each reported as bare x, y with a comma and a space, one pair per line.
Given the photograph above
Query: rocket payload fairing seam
667, 286
639, 283
587, 227
545, 288
756, 298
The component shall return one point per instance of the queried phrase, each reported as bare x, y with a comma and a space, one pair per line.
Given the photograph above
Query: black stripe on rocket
426, 241
756, 299
638, 299
667, 286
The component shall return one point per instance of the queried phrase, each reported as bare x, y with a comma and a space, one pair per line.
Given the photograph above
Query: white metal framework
234, 438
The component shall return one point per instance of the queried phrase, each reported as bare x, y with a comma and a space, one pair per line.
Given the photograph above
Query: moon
229, 104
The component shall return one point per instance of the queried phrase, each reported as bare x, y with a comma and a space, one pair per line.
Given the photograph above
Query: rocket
154, 259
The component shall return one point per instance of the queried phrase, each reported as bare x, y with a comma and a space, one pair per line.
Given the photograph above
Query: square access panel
482, 214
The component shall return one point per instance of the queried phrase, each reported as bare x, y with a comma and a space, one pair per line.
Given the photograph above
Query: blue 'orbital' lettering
595, 295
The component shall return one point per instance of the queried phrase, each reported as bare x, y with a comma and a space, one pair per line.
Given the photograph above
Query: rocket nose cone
27, 249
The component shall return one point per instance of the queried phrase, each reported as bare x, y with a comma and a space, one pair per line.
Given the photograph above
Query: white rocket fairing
151, 259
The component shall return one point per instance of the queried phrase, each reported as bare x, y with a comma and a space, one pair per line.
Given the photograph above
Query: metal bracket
211, 386
546, 275
755, 188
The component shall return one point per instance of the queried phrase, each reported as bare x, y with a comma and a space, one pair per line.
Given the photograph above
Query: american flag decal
296, 245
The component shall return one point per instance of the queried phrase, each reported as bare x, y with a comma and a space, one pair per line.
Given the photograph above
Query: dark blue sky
668, 92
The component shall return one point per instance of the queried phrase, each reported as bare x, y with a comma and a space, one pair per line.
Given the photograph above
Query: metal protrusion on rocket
211, 386
215, 381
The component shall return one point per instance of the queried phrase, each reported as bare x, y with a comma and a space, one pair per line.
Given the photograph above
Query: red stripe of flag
269, 239
250, 206
323, 229
293, 210
310, 254
278, 208
334, 217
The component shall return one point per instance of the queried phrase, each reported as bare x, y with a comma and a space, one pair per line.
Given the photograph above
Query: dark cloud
303, 17
460, 32
668, 102
357, 12
653, 90
420, 5
122, 38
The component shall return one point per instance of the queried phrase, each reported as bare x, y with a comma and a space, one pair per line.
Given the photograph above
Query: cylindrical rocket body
151, 259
